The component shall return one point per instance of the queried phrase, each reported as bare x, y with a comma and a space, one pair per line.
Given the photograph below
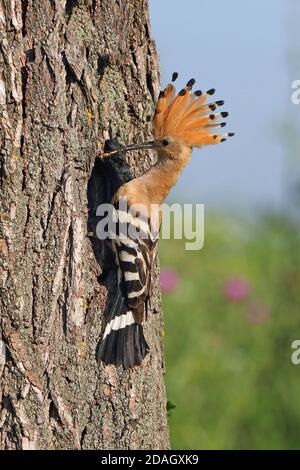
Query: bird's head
188, 119
183, 121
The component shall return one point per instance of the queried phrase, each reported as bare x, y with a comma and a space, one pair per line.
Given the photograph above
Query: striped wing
123, 340
135, 249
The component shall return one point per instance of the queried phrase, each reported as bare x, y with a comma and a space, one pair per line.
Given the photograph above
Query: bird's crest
188, 117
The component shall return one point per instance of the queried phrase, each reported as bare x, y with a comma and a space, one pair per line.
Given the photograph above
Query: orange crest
188, 117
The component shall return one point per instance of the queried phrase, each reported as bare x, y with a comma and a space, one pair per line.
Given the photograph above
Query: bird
181, 121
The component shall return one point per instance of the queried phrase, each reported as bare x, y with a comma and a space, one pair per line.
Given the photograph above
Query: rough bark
72, 73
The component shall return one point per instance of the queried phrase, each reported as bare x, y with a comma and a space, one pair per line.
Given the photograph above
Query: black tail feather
129, 351
110, 353
140, 344
126, 347
123, 342
120, 348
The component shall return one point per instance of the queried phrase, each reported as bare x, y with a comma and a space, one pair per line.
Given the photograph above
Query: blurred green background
231, 314
232, 309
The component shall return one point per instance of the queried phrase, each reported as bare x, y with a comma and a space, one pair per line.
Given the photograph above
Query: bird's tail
123, 341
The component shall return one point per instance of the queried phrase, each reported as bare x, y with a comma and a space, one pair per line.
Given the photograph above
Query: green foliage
229, 367
170, 407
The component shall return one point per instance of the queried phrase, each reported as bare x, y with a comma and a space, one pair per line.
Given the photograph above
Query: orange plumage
188, 117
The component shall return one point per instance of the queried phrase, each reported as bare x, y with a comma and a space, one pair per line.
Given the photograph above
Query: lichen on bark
72, 74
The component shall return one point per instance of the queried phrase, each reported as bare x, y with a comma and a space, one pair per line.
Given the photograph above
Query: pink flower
236, 289
169, 280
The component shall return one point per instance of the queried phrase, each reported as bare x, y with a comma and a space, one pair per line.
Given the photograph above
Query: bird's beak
150, 144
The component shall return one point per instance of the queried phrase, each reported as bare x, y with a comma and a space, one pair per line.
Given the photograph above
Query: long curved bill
151, 144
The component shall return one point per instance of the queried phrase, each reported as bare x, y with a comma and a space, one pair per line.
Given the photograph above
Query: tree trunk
72, 74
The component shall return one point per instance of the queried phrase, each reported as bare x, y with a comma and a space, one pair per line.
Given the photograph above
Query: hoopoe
181, 122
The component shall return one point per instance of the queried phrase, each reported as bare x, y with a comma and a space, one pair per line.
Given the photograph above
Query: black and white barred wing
136, 260
135, 251
135, 248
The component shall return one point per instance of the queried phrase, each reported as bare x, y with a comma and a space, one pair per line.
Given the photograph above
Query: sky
239, 48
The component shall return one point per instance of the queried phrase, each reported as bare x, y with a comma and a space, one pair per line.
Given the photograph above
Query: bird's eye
165, 143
